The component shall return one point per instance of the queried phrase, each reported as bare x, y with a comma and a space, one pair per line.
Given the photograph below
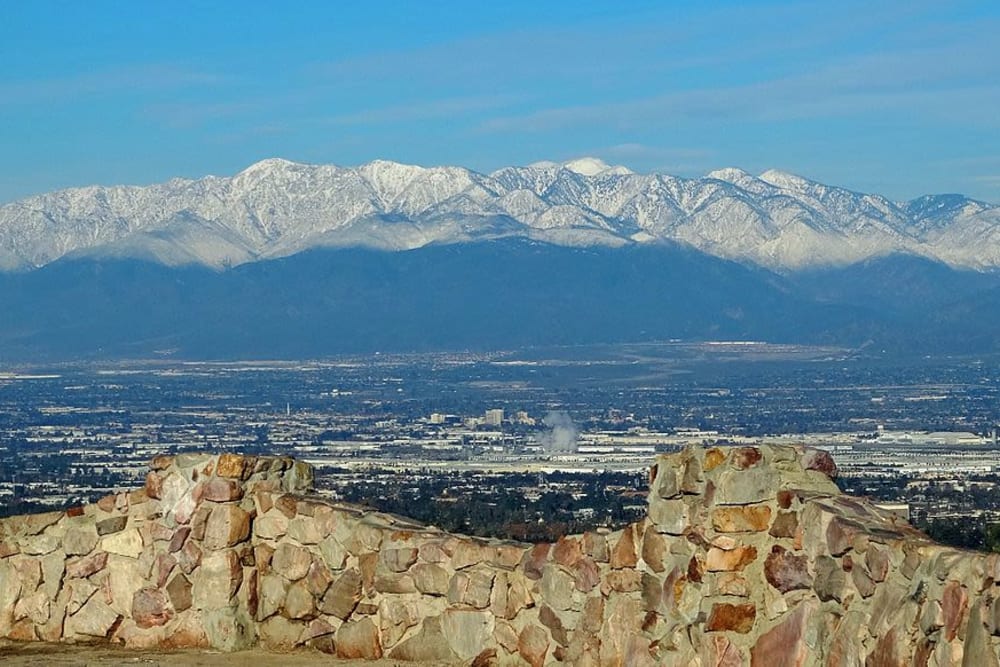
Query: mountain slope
277, 208
481, 295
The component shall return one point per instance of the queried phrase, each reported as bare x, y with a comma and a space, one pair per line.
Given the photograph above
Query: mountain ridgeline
289, 260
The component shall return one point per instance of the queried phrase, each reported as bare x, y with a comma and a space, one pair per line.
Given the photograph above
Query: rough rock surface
749, 556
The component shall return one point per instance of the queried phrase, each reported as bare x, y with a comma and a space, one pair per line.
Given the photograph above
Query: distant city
523, 443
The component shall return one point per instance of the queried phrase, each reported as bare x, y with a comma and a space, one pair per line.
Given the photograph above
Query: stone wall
747, 556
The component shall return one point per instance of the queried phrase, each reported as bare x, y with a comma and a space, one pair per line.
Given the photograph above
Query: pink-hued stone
887, 652
88, 565
784, 645
586, 575
532, 645
154, 485
567, 551
877, 560
718, 651
164, 566
189, 557
954, 600
535, 560
786, 524
840, 535
820, 460
787, 571
177, 539
150, 608
745, 457
218, 490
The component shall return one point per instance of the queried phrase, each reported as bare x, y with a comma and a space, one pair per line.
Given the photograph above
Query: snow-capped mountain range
277, 208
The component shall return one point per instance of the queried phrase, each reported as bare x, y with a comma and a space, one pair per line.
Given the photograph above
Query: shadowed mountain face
476, 296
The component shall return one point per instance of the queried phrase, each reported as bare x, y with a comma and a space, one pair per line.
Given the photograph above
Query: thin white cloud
426, 110
150, 77
919, 84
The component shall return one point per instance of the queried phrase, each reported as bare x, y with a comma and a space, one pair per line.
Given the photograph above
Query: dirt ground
15, 654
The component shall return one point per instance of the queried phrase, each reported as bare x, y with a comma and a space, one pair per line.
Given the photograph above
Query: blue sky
901, 98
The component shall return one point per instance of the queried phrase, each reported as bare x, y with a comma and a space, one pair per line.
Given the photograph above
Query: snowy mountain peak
592, 166
277, 208
268, 165
785, 180
733, 175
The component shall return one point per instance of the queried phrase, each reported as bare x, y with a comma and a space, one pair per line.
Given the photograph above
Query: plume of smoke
562, 433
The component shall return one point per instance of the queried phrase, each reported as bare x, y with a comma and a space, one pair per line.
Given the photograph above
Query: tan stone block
227, 526
280, 634
300, 604
623, 555
95, 619
622, 581
467, 632
291, 561
398, 559
741, 519
343, 595
596, 546
216, 581
472, 588
358, 640
430, 579
670, 516
719, 560
713, 458
505, 636
34, 607
507, 556
654, 549
730, 583
395, 617
303, 529
234, 466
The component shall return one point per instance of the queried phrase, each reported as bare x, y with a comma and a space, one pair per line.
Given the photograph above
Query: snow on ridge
592, 166
279, 207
